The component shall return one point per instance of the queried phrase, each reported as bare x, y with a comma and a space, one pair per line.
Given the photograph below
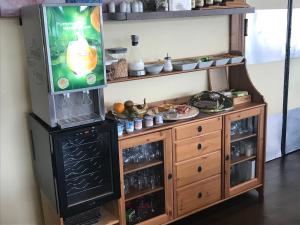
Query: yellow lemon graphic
81, 57
95, 18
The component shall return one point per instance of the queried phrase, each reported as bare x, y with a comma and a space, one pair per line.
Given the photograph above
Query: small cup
148, 121
138, 124
129, 126
159, 119
120, 129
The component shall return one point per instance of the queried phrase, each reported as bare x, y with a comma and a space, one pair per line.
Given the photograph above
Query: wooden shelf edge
143, 166
242, 159
130, 197
242, 137
178, 14
163, 74
107, 218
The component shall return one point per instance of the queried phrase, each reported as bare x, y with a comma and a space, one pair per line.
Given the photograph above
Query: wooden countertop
201, 116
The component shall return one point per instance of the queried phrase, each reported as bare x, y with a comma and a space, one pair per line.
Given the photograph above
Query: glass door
147, 178
243, 150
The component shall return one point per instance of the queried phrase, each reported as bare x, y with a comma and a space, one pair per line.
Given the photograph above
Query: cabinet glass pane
142, 156
243, 153
144, 208
144, 182
242, 172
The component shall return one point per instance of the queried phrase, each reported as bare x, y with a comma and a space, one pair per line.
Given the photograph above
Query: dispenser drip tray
79, 120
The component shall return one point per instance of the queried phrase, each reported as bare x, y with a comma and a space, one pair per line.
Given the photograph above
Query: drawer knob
199, 146
199, 128
199, 169
170, 176
227, 157
199, 195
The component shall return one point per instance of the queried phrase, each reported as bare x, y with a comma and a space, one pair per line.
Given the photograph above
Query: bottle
128, 7
141, 6
123, 7
135, 62
168, 67
111, 7
135, 6
193, 4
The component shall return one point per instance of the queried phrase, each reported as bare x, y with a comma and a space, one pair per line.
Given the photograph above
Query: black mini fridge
77, 168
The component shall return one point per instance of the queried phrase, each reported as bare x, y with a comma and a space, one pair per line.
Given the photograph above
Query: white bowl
205, 64
154, 68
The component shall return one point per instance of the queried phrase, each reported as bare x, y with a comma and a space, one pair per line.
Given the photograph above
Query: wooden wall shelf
163, 74
214, 11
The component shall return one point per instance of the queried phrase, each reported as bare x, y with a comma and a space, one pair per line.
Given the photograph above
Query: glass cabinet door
243, 151
147, 178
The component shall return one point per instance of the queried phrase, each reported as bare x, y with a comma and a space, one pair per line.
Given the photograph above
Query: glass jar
135, 60
161, 5
200, 3
209, 2
218, 2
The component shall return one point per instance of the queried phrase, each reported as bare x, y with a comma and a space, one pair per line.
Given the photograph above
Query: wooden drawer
197, 146
197, 169
198, 128
198, 195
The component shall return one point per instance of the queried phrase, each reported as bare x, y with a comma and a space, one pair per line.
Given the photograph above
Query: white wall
19, 202
179, 38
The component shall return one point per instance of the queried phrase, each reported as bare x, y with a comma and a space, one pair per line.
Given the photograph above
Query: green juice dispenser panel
64, 46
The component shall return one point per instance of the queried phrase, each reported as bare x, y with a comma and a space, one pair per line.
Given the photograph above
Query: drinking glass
126, 185
86, 99
66, 106
234, 128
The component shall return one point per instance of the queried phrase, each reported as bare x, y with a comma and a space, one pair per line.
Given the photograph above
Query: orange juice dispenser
64, 46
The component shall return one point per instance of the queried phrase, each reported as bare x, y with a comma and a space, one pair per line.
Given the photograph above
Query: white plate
191, 114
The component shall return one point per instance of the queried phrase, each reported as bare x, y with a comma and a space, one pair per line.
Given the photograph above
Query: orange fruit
95, 18
119, 107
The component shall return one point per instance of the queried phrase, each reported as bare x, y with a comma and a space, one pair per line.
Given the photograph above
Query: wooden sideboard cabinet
201, 162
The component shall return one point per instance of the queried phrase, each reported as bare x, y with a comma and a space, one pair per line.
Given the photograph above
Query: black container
77, 168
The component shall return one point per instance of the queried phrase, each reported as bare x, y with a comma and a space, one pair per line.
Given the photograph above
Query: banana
141, 109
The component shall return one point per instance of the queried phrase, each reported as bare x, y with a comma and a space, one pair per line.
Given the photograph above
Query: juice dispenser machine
75, 150
64, 46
